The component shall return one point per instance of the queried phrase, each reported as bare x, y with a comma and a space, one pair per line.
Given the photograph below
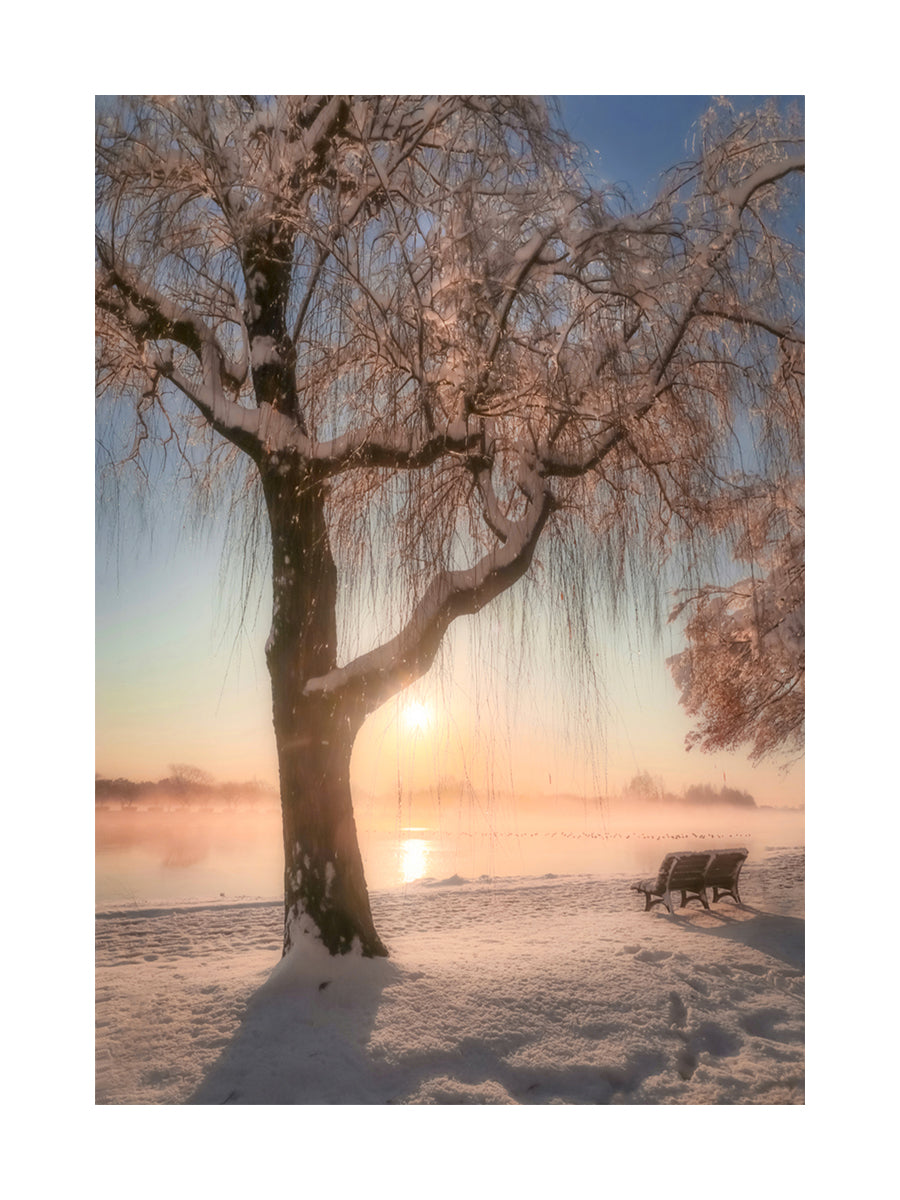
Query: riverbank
527, 990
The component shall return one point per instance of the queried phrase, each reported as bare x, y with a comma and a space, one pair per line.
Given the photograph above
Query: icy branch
362, 447
153, 316
741, 194
494, 517
238, 424
379, 674
738, 315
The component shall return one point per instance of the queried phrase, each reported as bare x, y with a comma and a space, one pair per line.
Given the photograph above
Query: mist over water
146, 856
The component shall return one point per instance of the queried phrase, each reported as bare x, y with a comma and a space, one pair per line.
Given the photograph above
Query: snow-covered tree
430, 345
743, 670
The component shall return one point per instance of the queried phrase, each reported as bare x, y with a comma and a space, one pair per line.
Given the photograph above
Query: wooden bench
691, 873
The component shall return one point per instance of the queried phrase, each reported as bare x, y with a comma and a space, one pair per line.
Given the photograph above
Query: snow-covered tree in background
409, 332
743, 670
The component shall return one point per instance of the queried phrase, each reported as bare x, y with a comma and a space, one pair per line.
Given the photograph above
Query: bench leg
720, 894
667, 900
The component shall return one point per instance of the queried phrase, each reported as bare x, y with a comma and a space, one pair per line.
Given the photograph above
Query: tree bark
325, 892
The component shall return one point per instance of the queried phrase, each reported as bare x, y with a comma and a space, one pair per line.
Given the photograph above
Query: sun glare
416, 717
414, 857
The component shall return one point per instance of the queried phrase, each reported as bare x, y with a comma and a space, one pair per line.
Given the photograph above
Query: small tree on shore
413, 334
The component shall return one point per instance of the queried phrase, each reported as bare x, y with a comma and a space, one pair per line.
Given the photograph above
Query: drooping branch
362, 447
374, 677
735, 314
494, 516
151, 315
741, 194
676, 302
237, 424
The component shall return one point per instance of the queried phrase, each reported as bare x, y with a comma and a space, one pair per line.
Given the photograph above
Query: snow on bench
691, 874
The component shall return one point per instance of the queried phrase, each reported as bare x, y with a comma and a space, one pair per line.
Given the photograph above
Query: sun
416, 717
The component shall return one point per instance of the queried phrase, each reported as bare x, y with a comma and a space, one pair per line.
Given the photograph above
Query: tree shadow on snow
304, 1036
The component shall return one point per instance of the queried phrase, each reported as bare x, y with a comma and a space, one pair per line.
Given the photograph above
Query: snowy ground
553, 990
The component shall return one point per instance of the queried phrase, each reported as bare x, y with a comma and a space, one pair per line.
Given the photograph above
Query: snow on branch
153, 316
742, 672
375, 676
741, 194
740, 315
239, 425
391, 284
360, 447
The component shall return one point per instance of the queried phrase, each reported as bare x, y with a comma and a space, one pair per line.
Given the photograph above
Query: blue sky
637, 137
177, 680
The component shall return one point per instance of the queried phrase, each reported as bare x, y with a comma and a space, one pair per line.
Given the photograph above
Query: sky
179, 680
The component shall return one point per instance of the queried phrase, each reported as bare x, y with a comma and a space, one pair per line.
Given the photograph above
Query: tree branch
153, 316
741, 194
362, 448
374, 677
697, 277
495, 519
745, 316
237, 424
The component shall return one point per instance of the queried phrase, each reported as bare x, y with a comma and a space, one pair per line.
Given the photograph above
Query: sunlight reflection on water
413, 859
151, 856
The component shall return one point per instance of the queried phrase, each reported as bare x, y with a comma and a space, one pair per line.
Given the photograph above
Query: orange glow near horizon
466, 721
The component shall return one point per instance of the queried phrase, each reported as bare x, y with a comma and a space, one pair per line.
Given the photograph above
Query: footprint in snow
677, 1011
653, 956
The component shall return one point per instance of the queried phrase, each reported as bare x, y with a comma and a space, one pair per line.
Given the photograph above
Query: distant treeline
185, 786
645, 789
642, 790
192, 786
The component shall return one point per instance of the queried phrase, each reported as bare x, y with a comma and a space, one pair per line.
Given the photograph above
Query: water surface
147, 856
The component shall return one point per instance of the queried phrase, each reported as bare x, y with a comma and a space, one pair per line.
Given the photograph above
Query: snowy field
527, 990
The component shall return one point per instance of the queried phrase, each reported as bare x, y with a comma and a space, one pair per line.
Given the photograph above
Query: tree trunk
325, 892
